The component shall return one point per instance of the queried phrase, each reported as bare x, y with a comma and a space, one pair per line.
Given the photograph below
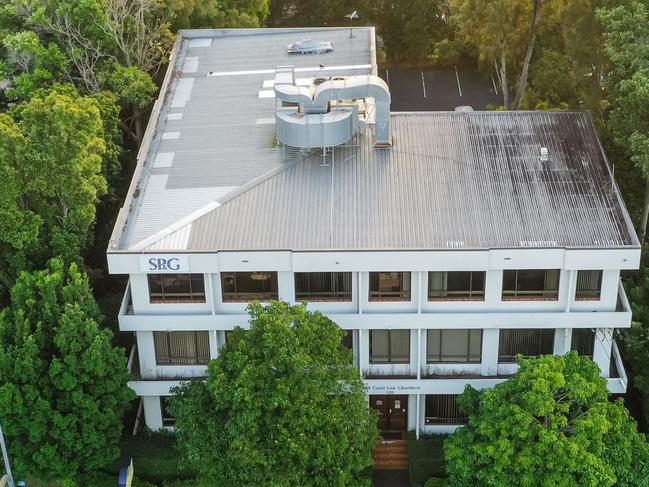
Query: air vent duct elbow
313, 121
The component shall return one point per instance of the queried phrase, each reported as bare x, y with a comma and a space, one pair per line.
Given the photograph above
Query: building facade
444, 244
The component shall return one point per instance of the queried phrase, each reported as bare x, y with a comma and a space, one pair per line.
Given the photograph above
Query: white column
210, 290
493, 286
152, 412
214, 344
286, 286
572, 285
418, 362
363, 350
360, 292
490, 341
418, 416
602, 349
139, 292
146, 353
420, 291
562, 341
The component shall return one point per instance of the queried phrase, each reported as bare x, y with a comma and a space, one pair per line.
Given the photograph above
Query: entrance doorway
393, 412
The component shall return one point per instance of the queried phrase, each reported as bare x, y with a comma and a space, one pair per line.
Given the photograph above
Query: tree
626, 29
62, 384
196, 14
503, 33
552, 424
282, 405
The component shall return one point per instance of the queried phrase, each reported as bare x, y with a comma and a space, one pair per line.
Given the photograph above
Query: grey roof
450, 180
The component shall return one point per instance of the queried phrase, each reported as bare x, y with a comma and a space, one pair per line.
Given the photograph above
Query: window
454, 346
168, 419
443, 409
527, 342
181, 347
389, 346
589, 285
249, 286
389, 286
176, 288
323, 286
348, 339
446, 286
583, 341
522, 285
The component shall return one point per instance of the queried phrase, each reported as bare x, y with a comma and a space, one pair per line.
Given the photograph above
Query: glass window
348, 339
323, 286
181, 347
443, 409
463, 285
176, 288
526, 342
389, 286
249, 286
583, 341
589, 285
531, 284
454, 346
168, 419
389, 346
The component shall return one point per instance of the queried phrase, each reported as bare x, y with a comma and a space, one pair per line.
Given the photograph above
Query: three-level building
444, 243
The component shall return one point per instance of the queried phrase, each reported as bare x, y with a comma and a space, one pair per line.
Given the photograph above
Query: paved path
391, 478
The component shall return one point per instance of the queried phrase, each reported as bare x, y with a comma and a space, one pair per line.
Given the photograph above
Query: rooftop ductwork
328, 114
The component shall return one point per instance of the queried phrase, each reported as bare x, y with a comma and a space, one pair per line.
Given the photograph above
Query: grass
426, 457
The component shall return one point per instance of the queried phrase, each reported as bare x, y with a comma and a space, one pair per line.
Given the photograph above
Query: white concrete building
446, 243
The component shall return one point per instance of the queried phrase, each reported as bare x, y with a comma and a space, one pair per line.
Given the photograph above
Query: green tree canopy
282, 405
552, 424
62, 384
196, 14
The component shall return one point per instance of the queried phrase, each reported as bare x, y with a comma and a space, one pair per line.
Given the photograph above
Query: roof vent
308, 46
545, 154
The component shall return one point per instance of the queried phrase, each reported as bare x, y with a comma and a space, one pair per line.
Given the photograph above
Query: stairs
391, 455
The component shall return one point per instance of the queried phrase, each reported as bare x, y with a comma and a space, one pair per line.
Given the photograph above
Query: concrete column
286, 286
490, 341
214, 344
146, 353
493, 286
210, 291
418, 426
418, 362
139, 292
152, 412
363, 350
420, 290
359, 276
562, 341
602, 349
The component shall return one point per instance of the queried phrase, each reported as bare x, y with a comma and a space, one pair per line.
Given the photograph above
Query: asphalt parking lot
439, 89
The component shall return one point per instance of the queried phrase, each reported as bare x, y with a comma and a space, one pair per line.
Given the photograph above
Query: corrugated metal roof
214, 123
451, 180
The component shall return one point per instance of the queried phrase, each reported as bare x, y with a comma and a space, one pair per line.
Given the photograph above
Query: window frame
166, 359
534, 295
589, 295
468, 295
512, 358
588, 341
332, 296
405, 286
191, 297
247, 297
469, 355
459, 418
391, 359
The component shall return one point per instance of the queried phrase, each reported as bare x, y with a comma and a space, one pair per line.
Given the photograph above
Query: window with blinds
176, 288
168, 419
461, 286
389, 346
182, 347
583, 341
526, 342
323, 286
389, 286
453, 346
589, 286
249, 286
520, 285
443, 409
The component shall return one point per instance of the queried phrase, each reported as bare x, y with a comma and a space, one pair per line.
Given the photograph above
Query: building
445, 243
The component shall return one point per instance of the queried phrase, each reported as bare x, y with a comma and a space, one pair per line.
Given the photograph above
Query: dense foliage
551, 424
63, 389
282, 405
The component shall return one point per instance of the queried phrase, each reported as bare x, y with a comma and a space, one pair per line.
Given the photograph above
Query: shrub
426, 457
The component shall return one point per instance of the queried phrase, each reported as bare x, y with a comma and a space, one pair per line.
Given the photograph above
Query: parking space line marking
423, 83
457, 77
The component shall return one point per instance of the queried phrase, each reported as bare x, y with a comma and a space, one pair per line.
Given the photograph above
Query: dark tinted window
531, 284
323, 286
389, 286
456, 285
526, 342
249, 286
176, 288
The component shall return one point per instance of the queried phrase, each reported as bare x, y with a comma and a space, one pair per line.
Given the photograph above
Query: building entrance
393, 412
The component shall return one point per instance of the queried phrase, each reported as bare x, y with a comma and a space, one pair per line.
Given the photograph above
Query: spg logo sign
164, 263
